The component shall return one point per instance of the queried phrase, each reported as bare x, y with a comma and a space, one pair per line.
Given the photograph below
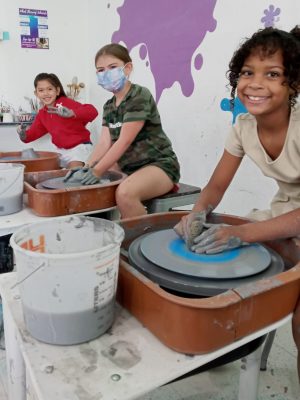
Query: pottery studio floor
279, 382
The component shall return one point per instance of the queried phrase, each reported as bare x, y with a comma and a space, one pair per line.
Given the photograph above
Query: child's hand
62, 111
217, 238
21, 130
191, 226
76, 173
89, 178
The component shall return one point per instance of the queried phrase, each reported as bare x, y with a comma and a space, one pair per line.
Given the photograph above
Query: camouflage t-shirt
151, 145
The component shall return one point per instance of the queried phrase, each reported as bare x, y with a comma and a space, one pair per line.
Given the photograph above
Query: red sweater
66, 132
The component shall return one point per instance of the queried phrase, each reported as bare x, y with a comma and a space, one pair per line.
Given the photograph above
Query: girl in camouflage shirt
132, 137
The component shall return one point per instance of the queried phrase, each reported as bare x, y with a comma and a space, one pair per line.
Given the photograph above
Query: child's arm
85, 112
33, 132
221, 178
191, 225
101, 147
129, 131
221, 237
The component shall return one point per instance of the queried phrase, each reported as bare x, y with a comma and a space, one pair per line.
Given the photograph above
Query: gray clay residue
123, 354
82, 394
89, 354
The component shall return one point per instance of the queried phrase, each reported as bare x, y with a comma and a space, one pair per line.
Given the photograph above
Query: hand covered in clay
21, 130
76, 174
191, 226
217, 238
62, 111
90, 178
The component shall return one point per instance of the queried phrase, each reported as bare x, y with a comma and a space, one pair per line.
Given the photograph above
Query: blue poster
34, 28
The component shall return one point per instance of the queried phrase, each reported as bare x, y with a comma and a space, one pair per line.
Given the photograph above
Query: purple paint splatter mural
168, 34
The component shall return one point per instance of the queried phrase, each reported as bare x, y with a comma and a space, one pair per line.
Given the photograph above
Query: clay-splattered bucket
11, 188
67, 272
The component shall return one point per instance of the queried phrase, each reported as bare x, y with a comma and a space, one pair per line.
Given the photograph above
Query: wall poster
34, 28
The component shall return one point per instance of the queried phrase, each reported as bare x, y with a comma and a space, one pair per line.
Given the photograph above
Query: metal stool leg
266, 350
249, 375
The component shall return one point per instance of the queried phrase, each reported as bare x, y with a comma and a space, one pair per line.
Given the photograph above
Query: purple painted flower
270, 16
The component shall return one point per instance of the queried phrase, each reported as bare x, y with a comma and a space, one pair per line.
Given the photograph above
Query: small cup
7, 117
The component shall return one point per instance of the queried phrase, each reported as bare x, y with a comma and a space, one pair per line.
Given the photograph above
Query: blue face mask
112, 80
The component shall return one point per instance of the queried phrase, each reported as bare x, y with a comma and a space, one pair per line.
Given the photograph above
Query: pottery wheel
27, 154
166, 249
58, 183
14, 158
10, 158
213, 282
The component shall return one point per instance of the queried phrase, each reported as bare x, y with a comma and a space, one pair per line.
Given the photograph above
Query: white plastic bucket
67, 271
11, 187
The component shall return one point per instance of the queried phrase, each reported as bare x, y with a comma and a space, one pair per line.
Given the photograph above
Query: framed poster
34, 28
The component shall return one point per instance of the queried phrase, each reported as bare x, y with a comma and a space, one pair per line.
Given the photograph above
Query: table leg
249, 374
266, 351
14, 360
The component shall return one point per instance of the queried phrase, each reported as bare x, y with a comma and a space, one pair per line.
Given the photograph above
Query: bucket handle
29, 275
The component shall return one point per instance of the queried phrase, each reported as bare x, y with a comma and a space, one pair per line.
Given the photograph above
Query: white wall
65, 57
195, 124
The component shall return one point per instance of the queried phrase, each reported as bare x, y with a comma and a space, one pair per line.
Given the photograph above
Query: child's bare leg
296, 333
73, 164
144, 184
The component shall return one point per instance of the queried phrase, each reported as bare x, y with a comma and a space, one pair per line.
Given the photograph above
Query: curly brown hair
267, 41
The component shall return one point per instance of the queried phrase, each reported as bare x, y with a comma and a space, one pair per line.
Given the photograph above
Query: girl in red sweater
65, 119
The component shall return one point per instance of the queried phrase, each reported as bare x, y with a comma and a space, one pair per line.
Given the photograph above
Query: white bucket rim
17, 247
4, 166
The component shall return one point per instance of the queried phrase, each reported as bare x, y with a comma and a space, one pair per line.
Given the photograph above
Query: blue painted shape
5, 35
238, 107
178, 247
34, 27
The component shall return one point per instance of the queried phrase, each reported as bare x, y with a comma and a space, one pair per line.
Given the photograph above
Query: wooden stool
187, 194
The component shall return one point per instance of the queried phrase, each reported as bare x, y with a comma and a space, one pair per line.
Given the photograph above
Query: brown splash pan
47, 160
201, 325
50, 203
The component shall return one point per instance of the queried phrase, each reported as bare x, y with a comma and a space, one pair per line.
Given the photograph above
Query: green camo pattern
151, 145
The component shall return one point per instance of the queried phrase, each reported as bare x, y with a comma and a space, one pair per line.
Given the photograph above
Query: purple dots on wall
198, 61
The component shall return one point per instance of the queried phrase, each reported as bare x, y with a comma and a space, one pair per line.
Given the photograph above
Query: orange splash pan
50, 203
201, 325
47, 160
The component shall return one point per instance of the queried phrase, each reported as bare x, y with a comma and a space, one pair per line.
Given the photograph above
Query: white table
123, 364
10, 223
